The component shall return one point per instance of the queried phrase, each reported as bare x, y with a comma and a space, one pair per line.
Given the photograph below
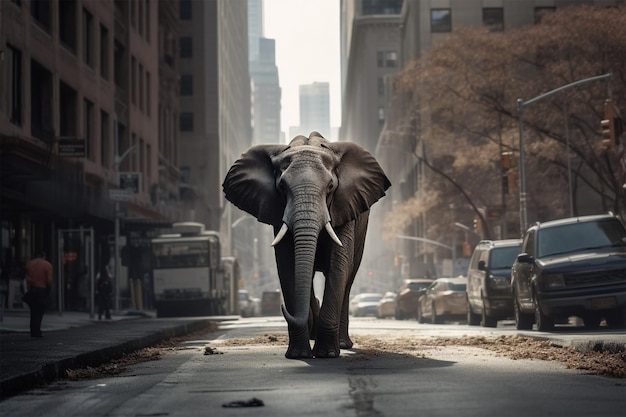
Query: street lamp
117, 160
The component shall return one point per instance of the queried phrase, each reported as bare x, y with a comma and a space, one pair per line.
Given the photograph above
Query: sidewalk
74, 340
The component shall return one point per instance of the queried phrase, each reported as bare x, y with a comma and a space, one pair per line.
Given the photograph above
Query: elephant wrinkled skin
316, 194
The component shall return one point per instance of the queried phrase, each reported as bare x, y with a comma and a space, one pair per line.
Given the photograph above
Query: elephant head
309, 187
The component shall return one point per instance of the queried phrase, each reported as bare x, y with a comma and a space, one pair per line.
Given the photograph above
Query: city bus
187, 275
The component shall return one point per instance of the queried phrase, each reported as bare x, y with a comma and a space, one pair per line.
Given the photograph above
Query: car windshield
372, 298
502, 258
578, 237
456, 287
416, 286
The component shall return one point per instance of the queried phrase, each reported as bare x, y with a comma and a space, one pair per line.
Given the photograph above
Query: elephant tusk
332, 234
281, 233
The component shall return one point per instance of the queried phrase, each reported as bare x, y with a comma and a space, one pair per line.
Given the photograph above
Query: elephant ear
250, 184
361, 182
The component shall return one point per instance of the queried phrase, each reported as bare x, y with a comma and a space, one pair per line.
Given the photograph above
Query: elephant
317, 195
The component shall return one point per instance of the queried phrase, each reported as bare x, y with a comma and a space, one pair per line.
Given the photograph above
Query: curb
56, 370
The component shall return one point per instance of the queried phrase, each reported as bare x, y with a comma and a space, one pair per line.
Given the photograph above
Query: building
266, 94
82, 107
315, 109
214, 121
412, 29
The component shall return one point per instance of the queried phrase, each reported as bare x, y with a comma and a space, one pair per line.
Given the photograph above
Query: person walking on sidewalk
104, 287
39, 282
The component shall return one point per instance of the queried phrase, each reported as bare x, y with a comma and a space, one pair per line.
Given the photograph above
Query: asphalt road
440, 381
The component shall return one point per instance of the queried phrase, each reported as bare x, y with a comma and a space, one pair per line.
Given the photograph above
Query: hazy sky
307, 50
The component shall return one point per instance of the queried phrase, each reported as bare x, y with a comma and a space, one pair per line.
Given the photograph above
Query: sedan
444, 299
387, 305
364, 304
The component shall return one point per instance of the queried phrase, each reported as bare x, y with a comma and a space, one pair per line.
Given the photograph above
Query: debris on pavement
252, 402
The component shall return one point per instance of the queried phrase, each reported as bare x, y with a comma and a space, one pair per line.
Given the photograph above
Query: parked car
571, 267
489, 296
364, 304
246, 304
387, 305
444, 299
408, 294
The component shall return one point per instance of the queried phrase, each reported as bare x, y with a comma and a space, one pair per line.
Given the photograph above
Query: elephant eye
331, 186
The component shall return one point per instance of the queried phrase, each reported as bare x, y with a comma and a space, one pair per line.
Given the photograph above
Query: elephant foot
326, 347
299, 351
346, 343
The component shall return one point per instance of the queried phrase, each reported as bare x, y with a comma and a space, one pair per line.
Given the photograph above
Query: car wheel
616, 318
543, 322
473, 319
592, 320
485, 320
522, 321
420, 317
434, 319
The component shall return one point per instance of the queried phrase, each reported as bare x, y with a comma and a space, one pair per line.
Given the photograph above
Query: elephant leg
314, 313
360, 230
299, 345
327, 343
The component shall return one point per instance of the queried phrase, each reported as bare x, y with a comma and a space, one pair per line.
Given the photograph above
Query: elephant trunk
305, 243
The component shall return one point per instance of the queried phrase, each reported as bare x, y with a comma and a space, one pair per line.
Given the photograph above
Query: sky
307, 50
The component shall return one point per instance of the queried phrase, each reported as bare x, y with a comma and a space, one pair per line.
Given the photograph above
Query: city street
241, 370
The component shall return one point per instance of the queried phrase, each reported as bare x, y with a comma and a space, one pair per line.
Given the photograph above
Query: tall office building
315, 109
214, 121
266, 94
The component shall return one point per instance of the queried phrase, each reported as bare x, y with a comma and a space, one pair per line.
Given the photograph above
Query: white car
365, 304
246, 304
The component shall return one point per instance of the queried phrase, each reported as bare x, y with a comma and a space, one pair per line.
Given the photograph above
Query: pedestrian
104, 287
39, 283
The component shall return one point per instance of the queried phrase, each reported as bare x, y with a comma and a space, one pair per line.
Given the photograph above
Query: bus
188, 278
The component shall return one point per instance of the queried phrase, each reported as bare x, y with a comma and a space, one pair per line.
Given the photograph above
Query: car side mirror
482, 266
525, 258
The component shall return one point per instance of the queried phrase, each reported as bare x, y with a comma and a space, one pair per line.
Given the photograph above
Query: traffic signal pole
521, 104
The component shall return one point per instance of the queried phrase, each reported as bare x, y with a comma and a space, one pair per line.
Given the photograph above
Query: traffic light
505, 158
612, 125
478, 226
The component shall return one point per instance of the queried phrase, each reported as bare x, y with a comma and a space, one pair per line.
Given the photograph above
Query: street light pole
116, 169
521, 104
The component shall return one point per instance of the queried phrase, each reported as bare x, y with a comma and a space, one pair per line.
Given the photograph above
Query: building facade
79, 122
315, 109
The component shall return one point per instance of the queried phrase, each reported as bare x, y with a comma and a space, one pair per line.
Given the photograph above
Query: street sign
71, 146
121, 195
130, 181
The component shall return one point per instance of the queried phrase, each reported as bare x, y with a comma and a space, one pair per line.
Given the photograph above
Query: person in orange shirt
39, 282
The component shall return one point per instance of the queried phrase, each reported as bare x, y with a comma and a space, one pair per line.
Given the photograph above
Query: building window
14, 98
540, 12
386, 59
133, 80
440, 20
104, 139
186, 47
185, 9
68, 110
369, 7
381, 115
493, 18
186, 85
186, 122
42, 13
87, 38
391, 59
104, 52
141, 86
68, 24
119, 64
148, 26
88, 128
381, 86
148, 96
41, 87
